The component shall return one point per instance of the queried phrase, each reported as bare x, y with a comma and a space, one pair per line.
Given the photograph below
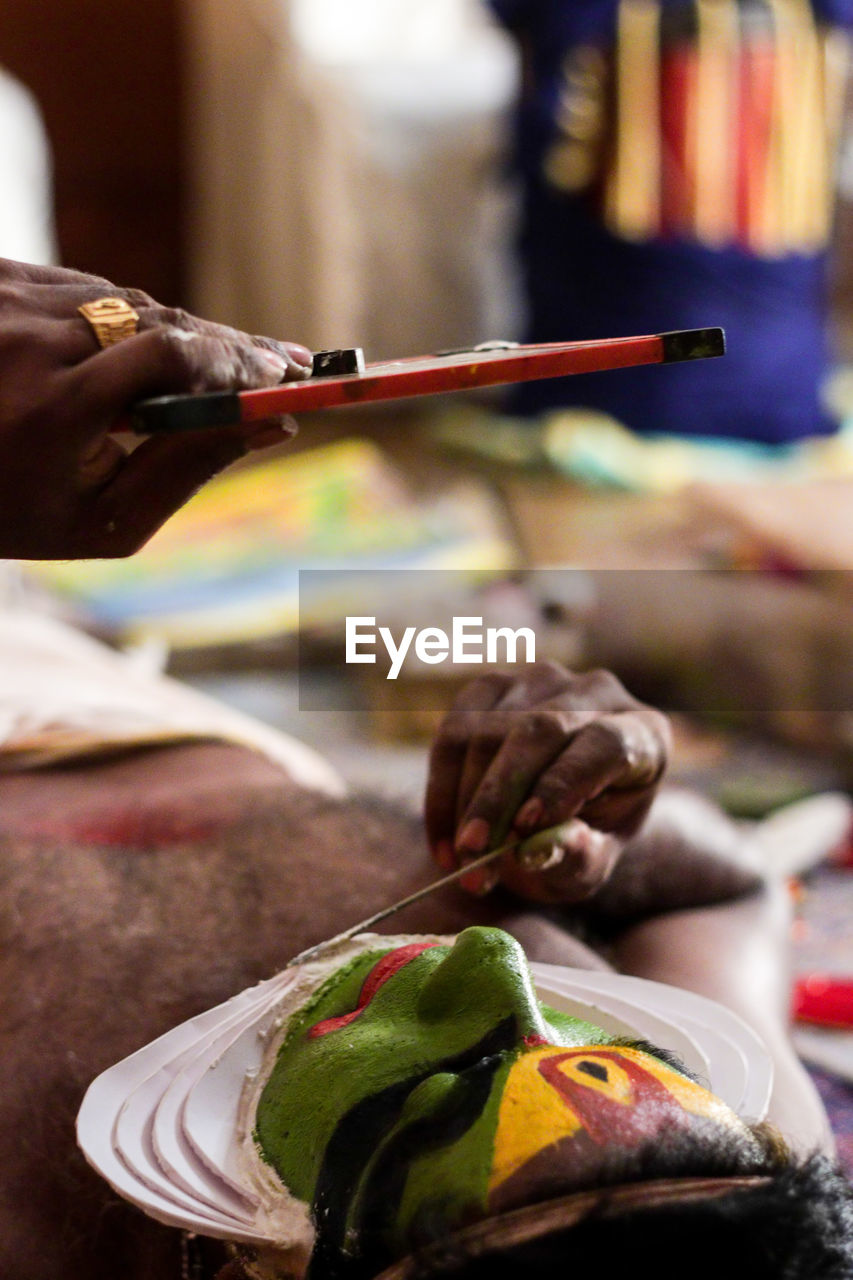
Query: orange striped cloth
715, 121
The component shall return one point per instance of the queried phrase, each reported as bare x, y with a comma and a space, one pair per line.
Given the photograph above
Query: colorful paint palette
161, 1127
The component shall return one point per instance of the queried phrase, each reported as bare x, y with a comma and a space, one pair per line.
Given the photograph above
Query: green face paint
382, 1105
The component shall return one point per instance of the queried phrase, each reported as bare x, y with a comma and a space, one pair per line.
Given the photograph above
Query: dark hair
797, 1226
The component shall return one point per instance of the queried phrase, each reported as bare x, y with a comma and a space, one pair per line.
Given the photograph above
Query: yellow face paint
615, 1096
687, 1093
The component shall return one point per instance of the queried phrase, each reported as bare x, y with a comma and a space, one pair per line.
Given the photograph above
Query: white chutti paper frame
161, 1125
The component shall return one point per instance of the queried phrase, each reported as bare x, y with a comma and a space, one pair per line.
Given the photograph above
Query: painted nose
484, 979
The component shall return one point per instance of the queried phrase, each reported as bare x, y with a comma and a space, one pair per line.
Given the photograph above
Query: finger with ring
112, 320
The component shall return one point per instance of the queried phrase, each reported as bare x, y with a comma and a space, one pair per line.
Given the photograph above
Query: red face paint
384, 969
626, 1119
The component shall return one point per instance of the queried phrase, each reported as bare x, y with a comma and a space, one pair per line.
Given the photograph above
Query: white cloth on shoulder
64, 695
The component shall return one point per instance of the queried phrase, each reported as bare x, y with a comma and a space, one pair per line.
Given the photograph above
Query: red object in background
825, 1000
679, 66
843, 856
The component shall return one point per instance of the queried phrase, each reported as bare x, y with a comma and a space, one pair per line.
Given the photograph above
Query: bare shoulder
687, 854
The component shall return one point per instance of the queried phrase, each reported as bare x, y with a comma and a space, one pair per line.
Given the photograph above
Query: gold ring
112, 319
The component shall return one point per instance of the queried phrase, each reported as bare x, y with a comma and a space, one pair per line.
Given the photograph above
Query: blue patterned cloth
585, 276
837, 1096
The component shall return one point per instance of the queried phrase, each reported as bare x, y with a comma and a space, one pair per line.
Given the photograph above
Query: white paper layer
161, 1126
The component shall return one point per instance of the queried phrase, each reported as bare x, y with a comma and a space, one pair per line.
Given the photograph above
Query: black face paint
597, 1070
355, 1140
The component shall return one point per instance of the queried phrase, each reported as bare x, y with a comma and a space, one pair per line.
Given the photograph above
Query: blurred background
410, 176
406, 176
289, 163
284, 165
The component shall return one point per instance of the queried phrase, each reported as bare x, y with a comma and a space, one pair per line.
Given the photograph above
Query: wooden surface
108, 79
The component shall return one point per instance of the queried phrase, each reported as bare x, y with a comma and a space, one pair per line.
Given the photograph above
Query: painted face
425, 1087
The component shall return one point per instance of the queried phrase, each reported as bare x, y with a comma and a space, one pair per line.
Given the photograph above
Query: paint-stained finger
586, 858
507, 734
162, 361
620, 812
625, 751
447, 761
155, 480
535, 740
